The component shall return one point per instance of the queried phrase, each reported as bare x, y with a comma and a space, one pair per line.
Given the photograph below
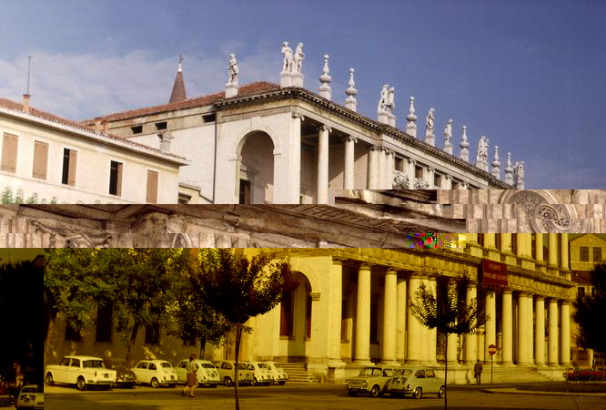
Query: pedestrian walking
477, 371
192, 379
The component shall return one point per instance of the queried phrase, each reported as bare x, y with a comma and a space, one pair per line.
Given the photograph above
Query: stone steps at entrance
297, 372
502, 374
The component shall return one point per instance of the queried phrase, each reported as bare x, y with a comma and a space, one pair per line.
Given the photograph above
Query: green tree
447, 311
141, 285
240, 288
590, 310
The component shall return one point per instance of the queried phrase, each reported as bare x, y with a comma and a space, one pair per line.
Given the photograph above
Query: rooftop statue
288, 58
298, 58
448, 132
482, 149
429, 121
233, 70
384, 100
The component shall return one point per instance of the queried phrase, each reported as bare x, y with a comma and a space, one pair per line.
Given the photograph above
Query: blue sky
528, 74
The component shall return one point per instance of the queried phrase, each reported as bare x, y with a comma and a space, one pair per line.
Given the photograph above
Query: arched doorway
256, 178
295, 316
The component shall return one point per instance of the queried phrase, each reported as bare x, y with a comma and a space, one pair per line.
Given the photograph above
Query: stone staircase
297, 372
503, 374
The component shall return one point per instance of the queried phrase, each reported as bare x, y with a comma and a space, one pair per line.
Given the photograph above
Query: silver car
416, 382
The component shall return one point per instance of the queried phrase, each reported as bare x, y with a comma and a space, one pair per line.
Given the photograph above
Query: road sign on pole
492, 349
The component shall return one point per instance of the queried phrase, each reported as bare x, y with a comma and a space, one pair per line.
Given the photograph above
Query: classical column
348, 177
294, 185
323, 136
564, 251
553, 249
506, 243
565, 334
471, 352
362, 334
389, 318
489, 240
538, 245
382, 168
525, 330
335, 313
524, 246
373, 167
389, 168
507, 334
416, 341
401, 320
552, 343
539, 332
491, 322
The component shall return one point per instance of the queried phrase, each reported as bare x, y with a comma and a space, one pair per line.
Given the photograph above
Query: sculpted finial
351, 92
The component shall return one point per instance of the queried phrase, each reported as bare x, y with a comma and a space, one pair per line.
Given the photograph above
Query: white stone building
66, 162
284, 144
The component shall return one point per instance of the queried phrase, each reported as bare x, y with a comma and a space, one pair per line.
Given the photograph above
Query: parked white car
416, 382
82, 371
30, 397
277, 371
226, 372
155, 373
207, 373
261, 373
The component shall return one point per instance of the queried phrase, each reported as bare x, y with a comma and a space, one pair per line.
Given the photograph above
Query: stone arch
256, 168
296, 314
251, 128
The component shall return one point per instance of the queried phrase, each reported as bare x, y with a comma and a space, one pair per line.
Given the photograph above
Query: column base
390, 362
363, 362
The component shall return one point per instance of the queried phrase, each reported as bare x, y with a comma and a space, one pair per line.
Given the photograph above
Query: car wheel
282, 383
228, 381
375, 391
442, 392
49, 379
81, 383
418, 393
172, 386
352, 393
155, 383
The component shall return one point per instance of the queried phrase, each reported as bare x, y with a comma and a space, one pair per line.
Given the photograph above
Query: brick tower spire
178, 93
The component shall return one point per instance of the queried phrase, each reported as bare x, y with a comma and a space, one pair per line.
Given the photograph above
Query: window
104, 323
115, 178
69, 167
152, 335
437, 180
161, 125
399, 164
418, 172
584, 253
40, 160
152, 187
244, 192
137, 129
209, 117
597, 254
9, 152
581, 291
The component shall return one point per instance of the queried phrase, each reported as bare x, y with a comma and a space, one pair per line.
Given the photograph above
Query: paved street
312, 396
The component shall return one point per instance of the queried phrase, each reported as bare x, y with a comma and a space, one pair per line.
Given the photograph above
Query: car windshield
371, 371
208, 365
166, 365
29, 389
262, 366
278, 366
93, 364
406, 372
243, 366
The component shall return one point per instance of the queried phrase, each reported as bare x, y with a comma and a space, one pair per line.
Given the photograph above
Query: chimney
26, 98
165, 140
97, 127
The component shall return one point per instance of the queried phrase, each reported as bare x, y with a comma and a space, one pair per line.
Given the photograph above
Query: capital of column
298, 116
351, 139
336, 260
324, 128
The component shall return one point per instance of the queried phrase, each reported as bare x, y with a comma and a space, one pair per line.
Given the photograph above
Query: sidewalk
553, 388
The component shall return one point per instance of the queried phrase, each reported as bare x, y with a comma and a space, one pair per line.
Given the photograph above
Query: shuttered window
69, 167
115, 178
40, 160
9, 152
152, 187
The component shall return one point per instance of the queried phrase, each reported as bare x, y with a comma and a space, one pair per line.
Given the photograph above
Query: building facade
283, 144
58, 160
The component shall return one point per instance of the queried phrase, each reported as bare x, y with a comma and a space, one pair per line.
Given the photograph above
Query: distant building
585, 252
60, 160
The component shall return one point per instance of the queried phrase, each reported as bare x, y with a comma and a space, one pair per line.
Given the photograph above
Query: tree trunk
236, 378
131, 344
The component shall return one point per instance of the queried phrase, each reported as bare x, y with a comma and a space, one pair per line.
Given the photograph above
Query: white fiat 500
277, 371
416, 382
207, 373
155, 373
